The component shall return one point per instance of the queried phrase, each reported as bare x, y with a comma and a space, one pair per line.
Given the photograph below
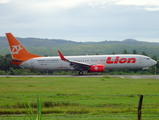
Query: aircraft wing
76, 65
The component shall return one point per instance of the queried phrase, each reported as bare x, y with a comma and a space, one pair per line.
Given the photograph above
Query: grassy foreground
79, 98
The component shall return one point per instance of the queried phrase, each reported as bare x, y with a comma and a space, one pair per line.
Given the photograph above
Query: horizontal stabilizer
16, 60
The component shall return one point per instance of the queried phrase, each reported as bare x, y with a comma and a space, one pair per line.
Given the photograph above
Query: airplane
89, 63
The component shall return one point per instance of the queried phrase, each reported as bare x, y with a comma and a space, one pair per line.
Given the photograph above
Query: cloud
57, 4
138, 3
4, 1
80, 20
152, 8
150, 5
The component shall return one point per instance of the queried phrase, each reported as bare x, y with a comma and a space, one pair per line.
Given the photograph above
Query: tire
80, 73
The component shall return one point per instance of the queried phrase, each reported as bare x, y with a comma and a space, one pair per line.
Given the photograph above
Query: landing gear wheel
80, 72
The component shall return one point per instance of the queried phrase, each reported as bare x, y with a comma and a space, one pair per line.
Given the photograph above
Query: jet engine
96, 68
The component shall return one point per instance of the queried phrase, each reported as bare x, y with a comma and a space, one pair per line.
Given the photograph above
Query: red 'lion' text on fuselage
120, 60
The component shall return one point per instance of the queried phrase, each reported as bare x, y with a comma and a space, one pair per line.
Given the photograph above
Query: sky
81, 20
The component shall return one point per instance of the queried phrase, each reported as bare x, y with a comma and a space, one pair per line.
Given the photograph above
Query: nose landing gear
146, 68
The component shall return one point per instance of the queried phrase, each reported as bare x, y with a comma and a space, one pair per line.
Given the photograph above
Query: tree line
7, 68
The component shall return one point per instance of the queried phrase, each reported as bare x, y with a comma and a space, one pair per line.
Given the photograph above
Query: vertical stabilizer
18, 51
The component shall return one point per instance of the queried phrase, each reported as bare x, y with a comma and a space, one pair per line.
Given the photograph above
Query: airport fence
75, 106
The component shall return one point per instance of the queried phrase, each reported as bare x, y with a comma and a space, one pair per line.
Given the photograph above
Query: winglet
61, 56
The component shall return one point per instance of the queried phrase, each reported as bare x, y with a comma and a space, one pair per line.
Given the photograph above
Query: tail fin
18, 52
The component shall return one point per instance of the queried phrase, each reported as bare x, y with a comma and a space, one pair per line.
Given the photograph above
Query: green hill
67, 47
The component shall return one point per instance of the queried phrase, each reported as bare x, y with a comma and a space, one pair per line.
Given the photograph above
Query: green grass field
79, 98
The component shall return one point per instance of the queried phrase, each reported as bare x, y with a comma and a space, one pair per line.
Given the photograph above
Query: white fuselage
109, 61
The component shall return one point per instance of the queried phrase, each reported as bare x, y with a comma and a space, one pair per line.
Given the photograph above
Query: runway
115, 76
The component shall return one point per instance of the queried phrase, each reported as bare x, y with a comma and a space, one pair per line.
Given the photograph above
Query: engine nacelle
96, 68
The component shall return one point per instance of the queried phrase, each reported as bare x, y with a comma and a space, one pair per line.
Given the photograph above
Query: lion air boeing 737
92, 63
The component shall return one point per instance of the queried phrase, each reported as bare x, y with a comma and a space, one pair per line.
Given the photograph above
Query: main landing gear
80, 73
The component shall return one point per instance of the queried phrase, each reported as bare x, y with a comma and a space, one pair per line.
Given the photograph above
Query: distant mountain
129, 42
37, 42
50, 46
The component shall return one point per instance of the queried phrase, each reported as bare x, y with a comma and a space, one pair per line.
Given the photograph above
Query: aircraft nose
154, 62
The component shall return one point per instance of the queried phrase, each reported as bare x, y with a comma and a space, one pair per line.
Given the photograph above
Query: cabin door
140, 60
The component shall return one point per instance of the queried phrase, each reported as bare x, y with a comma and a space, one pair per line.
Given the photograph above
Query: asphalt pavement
120, 76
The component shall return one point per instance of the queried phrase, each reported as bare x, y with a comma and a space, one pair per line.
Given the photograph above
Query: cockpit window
147, 58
